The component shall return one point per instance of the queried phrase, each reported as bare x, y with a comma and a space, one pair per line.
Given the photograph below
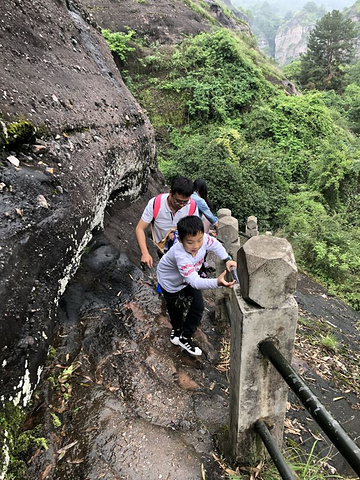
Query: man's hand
222, 282
147, 260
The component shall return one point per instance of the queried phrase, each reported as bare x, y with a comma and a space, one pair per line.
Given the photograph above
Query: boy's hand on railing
230, 264
222, 282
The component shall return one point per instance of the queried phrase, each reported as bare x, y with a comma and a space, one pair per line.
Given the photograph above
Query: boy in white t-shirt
180, 282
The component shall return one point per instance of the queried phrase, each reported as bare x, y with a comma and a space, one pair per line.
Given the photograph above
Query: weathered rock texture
161, 21
291, 41
94, 142
353, 13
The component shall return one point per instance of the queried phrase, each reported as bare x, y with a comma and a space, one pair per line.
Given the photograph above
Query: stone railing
261, 307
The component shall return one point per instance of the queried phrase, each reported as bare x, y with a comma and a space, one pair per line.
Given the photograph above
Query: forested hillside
221, 112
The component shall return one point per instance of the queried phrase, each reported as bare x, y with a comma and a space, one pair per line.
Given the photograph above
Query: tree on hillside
329, 50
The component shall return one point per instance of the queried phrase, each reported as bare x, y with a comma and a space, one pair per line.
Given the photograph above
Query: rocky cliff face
291, 41
161, 21
353, 13
72, 136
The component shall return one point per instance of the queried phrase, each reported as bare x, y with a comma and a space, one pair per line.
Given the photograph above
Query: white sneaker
174, 337
188, 345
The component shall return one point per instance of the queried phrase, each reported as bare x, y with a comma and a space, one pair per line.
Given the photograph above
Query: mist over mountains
283, 6
282, 29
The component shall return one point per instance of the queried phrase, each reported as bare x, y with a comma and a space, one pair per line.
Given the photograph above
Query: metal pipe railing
330, 426
274, 451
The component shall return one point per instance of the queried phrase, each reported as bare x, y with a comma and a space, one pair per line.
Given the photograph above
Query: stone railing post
265, 309
251, 227
228, 235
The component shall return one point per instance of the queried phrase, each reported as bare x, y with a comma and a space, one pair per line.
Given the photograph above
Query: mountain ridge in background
282, 31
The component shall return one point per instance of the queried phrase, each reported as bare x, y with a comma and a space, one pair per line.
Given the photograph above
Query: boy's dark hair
190, 226
182, 185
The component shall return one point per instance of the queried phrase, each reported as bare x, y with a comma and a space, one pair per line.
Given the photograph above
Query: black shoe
188, 345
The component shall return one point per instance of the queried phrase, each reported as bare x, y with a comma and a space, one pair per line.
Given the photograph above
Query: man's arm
141, 239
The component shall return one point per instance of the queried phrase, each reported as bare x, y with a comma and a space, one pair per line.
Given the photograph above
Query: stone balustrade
261, 307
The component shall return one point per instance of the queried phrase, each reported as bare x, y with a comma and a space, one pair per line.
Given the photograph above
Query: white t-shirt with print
178, 268
165, 218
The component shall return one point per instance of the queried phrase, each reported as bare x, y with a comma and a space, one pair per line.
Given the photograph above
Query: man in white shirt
170, 208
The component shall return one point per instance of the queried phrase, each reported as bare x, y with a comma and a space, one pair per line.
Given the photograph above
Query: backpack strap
157, 203
192, 206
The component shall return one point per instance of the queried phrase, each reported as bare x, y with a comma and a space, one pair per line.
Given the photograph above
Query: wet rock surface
134, 406
331, 374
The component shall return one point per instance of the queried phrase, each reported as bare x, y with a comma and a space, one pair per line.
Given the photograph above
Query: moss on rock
16, 133
16, 443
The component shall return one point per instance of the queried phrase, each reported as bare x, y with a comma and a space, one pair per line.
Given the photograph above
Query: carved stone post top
267, 270
224, 212
252, 222
228, 230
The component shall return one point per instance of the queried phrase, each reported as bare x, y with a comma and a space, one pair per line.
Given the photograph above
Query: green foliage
294, 125
334, 173
20, 443
292, 71
215, 77
324, 244
352, 105
247, 179
288, 159
353, 73
309, 466
329, 49
330, 342
119, 42
56, 420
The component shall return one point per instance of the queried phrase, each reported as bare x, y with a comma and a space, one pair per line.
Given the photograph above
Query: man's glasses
180, 202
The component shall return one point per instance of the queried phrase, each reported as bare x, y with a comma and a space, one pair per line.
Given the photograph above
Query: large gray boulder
72, 137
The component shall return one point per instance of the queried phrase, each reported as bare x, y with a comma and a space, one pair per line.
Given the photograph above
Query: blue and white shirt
178, 268
204, 208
